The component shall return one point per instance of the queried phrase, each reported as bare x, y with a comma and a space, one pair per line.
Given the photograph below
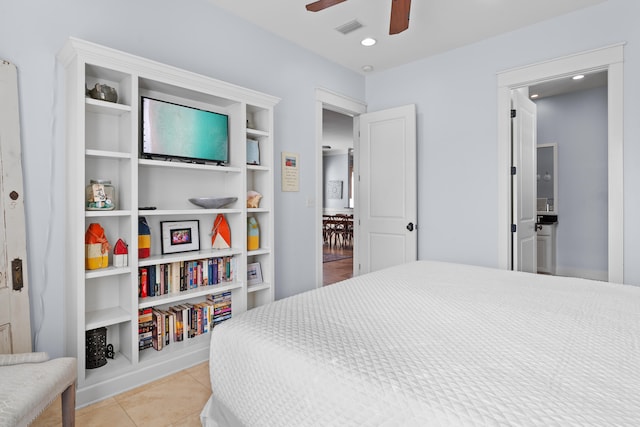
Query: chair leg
69, 406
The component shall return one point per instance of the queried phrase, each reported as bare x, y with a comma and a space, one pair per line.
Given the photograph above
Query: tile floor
172, 401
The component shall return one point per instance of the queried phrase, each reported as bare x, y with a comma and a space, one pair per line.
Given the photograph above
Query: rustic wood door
15, 324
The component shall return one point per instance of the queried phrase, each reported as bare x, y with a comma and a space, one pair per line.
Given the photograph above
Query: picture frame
180, 236
334, 190
290, 171
253, 152
254, 274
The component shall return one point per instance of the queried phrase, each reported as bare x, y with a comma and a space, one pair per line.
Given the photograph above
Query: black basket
96, 348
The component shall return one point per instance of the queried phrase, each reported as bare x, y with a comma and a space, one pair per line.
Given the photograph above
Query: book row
175, 277
158, 328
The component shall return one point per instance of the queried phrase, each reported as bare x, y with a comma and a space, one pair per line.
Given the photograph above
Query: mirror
547, 179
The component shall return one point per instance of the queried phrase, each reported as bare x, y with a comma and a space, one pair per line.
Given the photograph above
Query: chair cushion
27, 389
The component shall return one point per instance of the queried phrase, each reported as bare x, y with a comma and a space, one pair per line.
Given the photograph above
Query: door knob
410, 226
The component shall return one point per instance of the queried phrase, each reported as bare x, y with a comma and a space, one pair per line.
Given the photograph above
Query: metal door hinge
513, 170
513, 114
513, 228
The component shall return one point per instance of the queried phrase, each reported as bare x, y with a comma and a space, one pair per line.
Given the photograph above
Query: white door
524, 215
387, 214
15, 326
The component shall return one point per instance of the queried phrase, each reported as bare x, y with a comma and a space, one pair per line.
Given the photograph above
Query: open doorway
608, 59
338, 198
572, 180
328, 103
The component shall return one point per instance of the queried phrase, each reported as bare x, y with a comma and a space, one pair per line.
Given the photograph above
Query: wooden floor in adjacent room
173, 401
338, 264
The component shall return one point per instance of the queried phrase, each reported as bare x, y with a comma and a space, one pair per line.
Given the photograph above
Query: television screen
177, 131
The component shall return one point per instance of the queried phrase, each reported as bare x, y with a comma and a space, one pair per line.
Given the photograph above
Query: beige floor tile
192, 420
107, 415
50, 417
166, 401
201, 374
94, 406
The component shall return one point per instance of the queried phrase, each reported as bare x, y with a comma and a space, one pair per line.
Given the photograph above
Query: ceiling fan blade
399, 16
319, 5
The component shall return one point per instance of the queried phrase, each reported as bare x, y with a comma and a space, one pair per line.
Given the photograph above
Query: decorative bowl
212, 202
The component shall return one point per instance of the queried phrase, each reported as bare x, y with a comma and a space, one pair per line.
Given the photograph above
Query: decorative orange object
220, 233
97, 247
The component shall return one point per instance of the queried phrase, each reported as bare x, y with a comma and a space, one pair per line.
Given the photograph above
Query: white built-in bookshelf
102, 142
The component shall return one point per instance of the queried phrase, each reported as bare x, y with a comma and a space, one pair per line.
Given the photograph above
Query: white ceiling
435, 25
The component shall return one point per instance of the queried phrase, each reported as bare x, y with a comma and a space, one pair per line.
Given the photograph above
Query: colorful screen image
181, 236
177, 131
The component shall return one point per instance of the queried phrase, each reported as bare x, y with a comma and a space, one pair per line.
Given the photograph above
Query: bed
433, 344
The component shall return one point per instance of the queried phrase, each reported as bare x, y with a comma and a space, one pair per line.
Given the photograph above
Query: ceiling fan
399, 12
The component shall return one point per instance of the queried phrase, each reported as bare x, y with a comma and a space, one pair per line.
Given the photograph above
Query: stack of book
145, 328
183, 321
221, 306
175, 277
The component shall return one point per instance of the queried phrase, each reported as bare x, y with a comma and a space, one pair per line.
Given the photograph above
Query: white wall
456, 98
577, 122
193, 35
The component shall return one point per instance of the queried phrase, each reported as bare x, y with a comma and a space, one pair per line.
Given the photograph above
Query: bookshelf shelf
189, 256
106, 317
98, 214
104, 107
177, 297
176, 349
258, 287
261, 251
103, 140
198, 211
107, 154
109, 271
165, 164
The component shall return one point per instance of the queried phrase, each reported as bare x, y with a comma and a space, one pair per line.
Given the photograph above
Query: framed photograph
179, 236
254, 274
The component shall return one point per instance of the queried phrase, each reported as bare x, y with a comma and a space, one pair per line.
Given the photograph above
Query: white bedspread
433, 344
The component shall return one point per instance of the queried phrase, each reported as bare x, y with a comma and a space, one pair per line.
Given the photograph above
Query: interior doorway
338, 198
572, 175
609, 59
346, 109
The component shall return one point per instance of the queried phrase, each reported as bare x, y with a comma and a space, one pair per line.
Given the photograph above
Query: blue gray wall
456, 98
577, 122
194, 35
455, 94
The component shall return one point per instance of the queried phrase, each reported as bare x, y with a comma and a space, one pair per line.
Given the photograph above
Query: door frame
329, 100
608, 58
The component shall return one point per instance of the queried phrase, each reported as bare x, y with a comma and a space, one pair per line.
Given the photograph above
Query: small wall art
334, 190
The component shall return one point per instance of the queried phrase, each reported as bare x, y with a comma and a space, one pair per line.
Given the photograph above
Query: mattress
433, 344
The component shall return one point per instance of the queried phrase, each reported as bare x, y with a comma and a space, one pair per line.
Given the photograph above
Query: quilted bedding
433, 344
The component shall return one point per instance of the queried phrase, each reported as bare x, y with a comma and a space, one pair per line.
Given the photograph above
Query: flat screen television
173, 131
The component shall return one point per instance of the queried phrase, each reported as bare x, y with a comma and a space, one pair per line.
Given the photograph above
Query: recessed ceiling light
367, 68
534, 96
578, 77
368, 41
